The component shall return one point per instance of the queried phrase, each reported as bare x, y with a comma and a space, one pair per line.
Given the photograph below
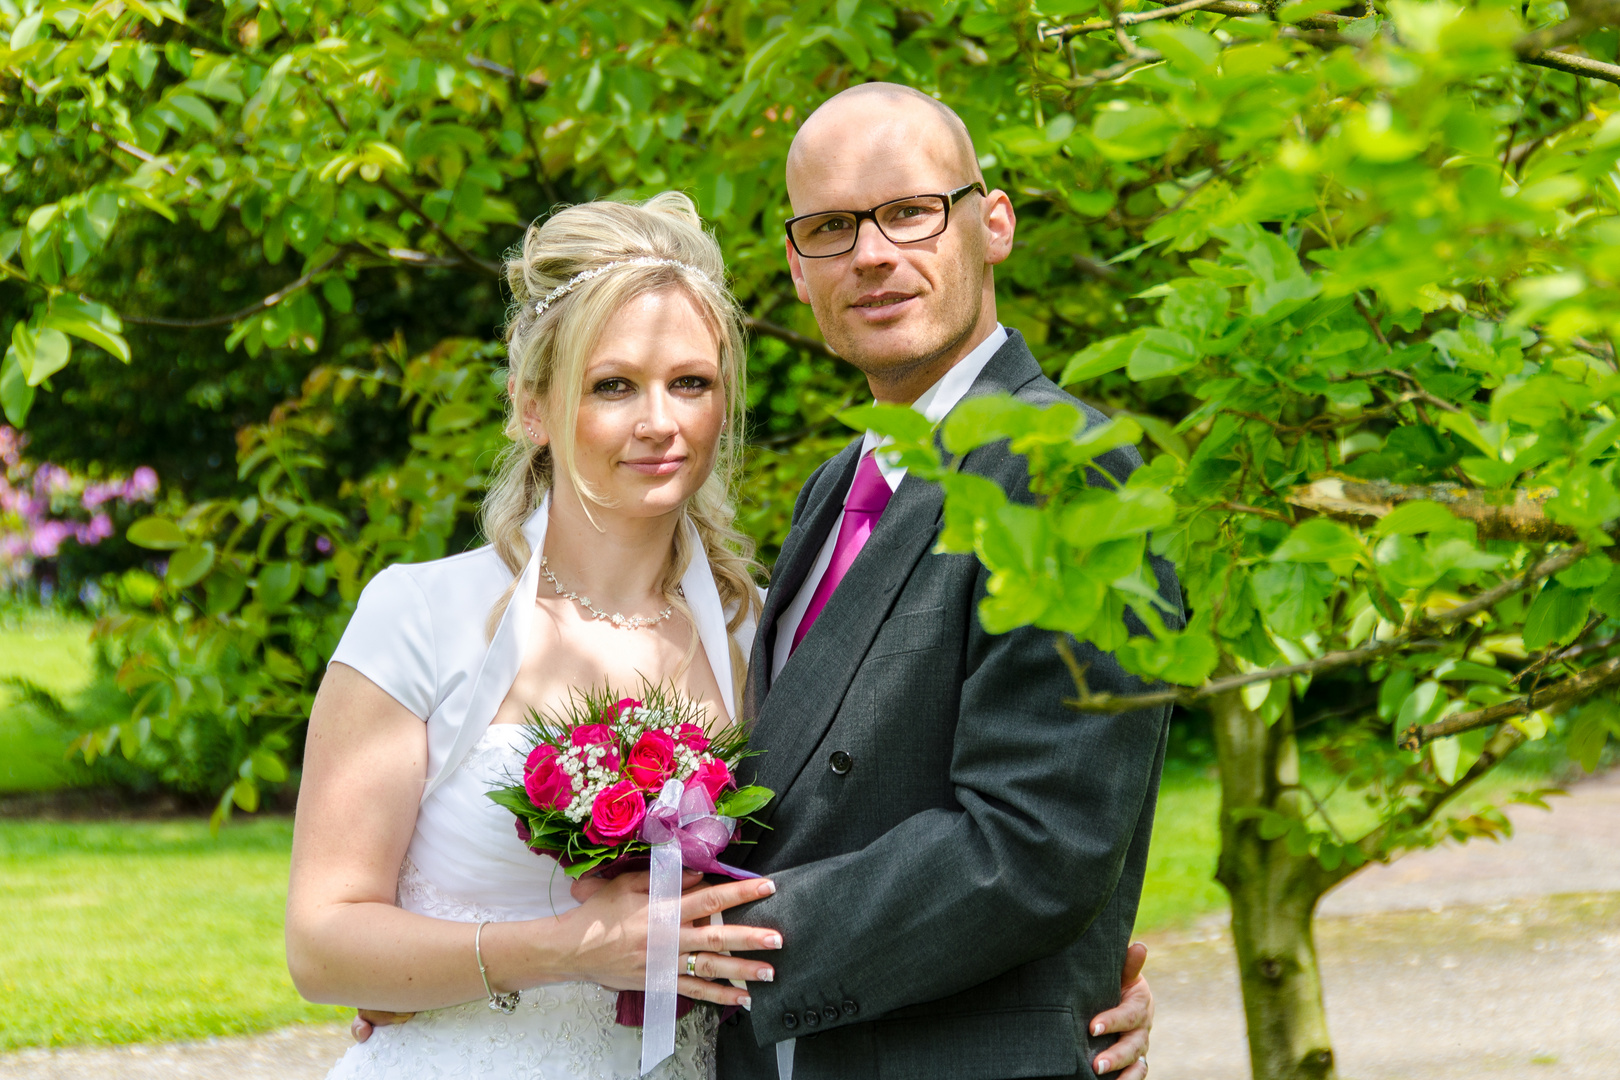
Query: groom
958, 857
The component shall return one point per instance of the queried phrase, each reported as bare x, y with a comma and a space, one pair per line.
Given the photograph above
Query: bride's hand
611, 937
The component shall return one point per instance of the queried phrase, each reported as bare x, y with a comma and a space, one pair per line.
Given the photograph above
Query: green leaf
900, 422
245, 794
1445, 753
1098, 515
157, 534
1393, 691
1100, 358
1422, 706
1418, 516
1318, 540
189, 565
27, 30
268, 767
41, 354
1557, 615
1159, 353
278, 582
743, 801
1292, 596
16, 395
1589, 573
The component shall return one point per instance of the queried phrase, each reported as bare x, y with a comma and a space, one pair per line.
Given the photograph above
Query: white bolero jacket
418, 632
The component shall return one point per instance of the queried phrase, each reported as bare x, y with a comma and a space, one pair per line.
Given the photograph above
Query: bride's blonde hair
548, 352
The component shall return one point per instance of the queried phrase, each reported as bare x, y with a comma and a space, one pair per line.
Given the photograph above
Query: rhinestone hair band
585, 275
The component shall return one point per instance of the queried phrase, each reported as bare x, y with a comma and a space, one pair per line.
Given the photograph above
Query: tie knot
870, 492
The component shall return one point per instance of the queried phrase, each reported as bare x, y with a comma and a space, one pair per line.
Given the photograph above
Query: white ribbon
663, 941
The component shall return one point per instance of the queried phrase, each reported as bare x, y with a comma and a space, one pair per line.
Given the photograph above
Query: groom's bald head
882, 116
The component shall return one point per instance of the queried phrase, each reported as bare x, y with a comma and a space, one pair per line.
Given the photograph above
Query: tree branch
1331, 661
136, 152
1523, 519
1575, 688
1126, 18
1536, 48
1497, 748
1574, 65
252, 309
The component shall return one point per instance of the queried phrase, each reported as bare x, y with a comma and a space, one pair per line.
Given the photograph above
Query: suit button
811, 1018
850, 1008
830, 1012
841, 762
790, 1020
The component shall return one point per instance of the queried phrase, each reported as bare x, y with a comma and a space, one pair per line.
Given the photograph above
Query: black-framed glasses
902, 221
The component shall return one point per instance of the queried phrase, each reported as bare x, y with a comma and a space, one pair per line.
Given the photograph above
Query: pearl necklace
624, 622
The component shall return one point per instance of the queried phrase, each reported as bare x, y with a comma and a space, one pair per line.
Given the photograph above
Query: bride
410, 890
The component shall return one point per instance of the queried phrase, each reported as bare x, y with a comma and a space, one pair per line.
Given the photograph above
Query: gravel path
1461, 963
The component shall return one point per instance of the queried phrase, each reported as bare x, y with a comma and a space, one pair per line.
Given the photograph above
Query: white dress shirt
935, 403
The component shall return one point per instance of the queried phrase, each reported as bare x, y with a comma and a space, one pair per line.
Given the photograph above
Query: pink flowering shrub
42, 506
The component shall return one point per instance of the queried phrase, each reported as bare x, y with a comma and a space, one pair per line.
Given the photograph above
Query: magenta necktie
868, 495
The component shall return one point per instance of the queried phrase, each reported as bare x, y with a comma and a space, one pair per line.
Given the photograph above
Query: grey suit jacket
958, 857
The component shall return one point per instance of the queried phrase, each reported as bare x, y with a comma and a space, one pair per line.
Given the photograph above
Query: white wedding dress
466, 863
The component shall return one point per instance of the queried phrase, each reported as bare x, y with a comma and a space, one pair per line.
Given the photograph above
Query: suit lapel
806, 696
821, 515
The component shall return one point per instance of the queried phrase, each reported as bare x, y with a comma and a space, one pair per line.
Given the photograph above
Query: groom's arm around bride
958, 856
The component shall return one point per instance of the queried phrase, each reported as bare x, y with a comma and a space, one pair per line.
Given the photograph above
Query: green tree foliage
1351, 273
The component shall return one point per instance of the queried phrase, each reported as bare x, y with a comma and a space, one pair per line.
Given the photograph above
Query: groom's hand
1133, 1016
365, 1020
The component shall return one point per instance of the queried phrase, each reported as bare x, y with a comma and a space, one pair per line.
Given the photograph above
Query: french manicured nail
1102, 1064
766, 888
1096, 1029
773, 941
765, 975
746, 1002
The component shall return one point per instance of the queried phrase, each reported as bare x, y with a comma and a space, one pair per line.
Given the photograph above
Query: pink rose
588, 735
652, 760
616, 814
610, 714
692, 737
713, 776
548, 786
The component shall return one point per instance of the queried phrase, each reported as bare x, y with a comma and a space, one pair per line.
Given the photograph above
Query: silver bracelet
506, 1003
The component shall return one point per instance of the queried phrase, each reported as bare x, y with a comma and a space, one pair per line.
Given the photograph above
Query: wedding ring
691, 964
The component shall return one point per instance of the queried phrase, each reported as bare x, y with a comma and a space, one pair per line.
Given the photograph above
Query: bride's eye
692, 384
612, 387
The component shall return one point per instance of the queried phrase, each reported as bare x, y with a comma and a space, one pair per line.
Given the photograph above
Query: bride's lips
883, 306
655, 466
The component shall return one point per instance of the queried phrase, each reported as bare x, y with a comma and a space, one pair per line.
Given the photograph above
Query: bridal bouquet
597, 792
619, 783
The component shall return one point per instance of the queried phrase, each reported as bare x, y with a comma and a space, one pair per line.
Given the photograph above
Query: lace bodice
465, 863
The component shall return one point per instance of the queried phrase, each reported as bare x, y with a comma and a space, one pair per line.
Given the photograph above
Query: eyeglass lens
904, 221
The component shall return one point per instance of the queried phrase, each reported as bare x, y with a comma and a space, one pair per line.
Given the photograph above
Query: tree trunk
1273, 896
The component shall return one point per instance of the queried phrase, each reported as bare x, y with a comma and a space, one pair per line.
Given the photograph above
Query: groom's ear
999, 225
796, 268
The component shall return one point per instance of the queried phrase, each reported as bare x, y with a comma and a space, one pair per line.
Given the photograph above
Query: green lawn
133, 932
54, 652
